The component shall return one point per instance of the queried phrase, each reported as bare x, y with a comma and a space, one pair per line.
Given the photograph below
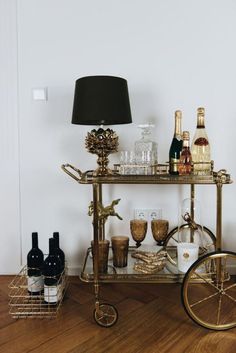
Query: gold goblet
138, 229
160, 230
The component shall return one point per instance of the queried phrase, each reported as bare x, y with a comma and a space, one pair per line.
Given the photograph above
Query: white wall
10, 236
174, 54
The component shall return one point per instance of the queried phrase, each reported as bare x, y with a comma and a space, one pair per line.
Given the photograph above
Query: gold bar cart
208, 284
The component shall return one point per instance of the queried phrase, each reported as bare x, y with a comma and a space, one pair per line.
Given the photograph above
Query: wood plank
88, 336
151, 320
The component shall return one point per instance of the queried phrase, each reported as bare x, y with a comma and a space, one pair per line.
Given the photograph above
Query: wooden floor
151, 320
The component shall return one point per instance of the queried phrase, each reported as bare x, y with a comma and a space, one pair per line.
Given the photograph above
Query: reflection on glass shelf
116, 178
170, 272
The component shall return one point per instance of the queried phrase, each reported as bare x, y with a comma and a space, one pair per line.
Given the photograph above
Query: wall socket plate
148, 213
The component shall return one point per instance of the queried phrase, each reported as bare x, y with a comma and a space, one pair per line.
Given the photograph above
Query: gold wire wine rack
23, 304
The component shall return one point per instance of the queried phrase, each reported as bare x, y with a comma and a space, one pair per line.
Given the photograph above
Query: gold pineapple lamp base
102, 143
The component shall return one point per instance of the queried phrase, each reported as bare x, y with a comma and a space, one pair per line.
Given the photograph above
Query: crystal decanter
145, 148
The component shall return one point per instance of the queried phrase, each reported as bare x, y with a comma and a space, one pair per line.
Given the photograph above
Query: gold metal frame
24, 305
89, 178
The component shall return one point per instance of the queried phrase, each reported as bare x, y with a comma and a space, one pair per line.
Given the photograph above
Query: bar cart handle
66, 167
222, 177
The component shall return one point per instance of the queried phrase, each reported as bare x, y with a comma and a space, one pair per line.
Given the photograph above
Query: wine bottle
52, 271
60, 253
34, 267
200, 149
176, 145
185, 161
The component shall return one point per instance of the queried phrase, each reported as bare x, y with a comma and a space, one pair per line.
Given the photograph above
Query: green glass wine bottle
176, 144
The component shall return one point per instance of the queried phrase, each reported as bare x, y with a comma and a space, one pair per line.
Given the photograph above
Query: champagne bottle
60, 253
200, 148
34, 267
51, 271
176, 145
185, 162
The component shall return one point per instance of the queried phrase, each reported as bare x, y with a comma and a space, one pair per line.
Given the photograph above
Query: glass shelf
89, 178
169, 274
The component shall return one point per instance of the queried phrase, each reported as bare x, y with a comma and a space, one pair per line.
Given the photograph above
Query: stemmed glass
138, 229
160, 230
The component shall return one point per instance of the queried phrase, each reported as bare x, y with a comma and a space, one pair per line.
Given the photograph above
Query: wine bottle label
51, 294
201, 141
185, 168
174, 164
35, 283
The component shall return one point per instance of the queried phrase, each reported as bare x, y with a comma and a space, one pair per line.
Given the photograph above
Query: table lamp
101, 100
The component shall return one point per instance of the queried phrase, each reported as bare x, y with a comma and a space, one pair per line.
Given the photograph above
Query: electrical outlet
155, 213
141, 213
148, 213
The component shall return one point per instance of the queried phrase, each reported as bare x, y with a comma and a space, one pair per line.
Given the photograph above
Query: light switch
40, 94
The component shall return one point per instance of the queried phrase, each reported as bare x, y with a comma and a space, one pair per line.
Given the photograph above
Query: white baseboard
232, 269
74, 271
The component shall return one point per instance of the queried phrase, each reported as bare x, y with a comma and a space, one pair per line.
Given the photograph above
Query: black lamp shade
101, 100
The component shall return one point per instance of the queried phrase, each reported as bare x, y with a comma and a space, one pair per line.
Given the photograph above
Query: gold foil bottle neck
201, 117
178, 127
178, 114
201, 111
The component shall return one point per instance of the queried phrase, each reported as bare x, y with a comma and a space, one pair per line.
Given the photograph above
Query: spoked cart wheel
105, 315
209, 291
208, 242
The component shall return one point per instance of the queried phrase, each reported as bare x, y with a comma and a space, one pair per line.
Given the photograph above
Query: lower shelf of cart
169, 274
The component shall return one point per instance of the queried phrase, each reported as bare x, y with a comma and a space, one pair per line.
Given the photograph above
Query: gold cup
159, 230
120, 247
103, 255
138, 229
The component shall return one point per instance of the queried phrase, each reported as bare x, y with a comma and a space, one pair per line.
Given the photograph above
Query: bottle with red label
200, 149
185, 161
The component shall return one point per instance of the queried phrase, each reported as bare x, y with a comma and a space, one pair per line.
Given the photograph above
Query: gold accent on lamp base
102, 142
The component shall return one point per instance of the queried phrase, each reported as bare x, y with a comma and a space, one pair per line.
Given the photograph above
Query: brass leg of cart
192, 194
101, 221
208, 238
104, 314
208, 289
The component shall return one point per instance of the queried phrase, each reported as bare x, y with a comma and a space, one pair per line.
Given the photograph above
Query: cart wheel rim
209, 291
106, 316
